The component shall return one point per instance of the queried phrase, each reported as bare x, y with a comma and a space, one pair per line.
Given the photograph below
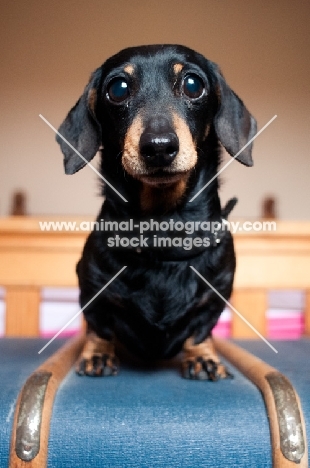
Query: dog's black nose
159, 144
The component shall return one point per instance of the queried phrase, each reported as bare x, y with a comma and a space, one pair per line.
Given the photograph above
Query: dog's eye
118, 90
193, 86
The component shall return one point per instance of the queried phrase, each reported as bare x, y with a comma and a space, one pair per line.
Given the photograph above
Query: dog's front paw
201, 361
200, 368
97, 365
97, 358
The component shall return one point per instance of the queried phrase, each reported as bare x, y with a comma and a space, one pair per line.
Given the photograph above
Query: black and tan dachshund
159, 115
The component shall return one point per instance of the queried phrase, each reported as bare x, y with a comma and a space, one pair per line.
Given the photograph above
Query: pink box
285, 324
223, 326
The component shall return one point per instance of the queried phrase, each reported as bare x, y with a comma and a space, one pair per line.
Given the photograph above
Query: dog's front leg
201, 361
97, 358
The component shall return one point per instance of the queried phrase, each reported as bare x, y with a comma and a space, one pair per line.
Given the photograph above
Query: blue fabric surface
19, 357
154, 418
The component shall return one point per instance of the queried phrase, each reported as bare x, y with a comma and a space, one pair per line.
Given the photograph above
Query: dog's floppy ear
233, 123
81, 128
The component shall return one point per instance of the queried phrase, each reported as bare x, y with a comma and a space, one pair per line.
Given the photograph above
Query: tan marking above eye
129, 69
92, 99
177, 67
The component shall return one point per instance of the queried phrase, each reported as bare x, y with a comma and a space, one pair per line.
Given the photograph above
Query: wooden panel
279, 259
252, 305
29, 256
272, 271
38, 267
265, 260
22, 311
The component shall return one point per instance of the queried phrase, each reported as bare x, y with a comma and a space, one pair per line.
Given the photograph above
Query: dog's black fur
158, 302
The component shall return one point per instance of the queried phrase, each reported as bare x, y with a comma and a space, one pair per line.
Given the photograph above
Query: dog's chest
161, 296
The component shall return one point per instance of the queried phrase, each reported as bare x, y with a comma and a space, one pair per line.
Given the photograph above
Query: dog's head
155, 106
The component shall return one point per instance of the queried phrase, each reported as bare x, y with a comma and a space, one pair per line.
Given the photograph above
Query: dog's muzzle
159, 143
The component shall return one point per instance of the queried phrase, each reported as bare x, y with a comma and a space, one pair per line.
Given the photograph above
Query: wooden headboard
31, 258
